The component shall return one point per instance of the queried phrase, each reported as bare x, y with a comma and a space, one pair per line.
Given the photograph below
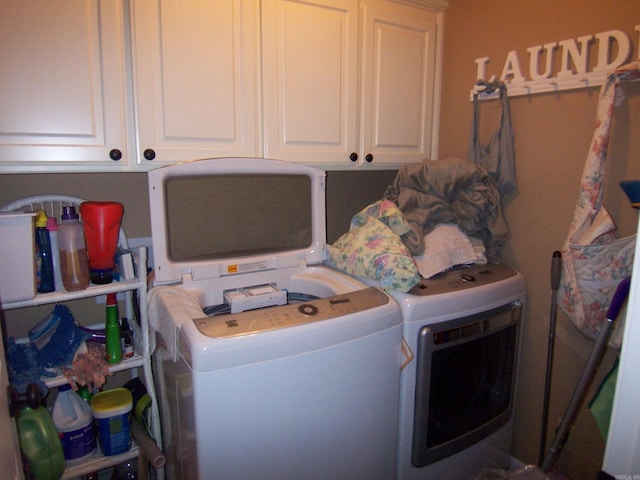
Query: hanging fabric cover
594, 261
498, 157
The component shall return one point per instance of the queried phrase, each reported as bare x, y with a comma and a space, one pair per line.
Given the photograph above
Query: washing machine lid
232, 216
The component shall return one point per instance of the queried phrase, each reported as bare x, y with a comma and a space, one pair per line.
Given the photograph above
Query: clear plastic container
73, 251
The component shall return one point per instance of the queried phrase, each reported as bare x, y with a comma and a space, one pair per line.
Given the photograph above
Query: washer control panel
462, 278
273, 318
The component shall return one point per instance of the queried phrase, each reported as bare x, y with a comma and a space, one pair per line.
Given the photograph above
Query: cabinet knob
149, 154
115, 154
369, 158
353, 157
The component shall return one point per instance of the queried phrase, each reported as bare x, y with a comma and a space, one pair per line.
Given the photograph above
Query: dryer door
465, 381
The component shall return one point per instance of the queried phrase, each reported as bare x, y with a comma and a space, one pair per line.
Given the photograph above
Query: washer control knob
308, 309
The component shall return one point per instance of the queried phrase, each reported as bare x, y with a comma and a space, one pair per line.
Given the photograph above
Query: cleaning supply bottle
44, 267
74, 422
101, 222
114, 352
85, 393
73, 251
41, 449
52, 227
126, 338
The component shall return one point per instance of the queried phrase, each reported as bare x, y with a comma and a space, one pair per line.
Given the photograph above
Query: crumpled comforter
453, 191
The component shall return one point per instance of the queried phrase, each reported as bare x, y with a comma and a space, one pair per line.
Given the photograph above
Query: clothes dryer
462, 330
269, 364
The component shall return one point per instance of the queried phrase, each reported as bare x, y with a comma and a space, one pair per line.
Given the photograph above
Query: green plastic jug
42, 454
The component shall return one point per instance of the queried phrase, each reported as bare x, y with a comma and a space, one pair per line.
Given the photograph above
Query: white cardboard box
17, 256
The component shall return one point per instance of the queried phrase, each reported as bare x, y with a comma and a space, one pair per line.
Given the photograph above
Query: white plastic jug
74, 423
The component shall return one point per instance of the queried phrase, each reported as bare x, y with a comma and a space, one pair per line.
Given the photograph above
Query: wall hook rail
532, 87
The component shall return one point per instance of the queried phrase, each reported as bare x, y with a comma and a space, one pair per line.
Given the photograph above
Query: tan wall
552, 136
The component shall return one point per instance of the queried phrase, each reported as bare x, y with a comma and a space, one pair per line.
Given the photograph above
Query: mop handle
556, 270
556, 274
568, 418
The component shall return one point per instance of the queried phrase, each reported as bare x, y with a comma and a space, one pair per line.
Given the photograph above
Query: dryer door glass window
464, 389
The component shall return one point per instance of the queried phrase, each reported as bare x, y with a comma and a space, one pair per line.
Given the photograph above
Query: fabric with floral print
372, 250
594, 261
387, 212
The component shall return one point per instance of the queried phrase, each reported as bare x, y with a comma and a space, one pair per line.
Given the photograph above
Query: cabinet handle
115, 154
149, 154
369, 158
353, 157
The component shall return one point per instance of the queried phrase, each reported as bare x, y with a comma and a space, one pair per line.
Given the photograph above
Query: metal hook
490, 86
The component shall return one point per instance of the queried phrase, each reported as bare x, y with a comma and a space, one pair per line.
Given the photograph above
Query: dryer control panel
462, 278
273, 318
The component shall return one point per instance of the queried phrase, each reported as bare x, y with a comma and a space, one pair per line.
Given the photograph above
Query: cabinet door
62, 85
195, 79
398, 82
310, 68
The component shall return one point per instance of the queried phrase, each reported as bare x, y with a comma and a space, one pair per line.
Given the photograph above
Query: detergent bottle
52, 227
101, 222
44, 265
73, 251
73, 420
42, 454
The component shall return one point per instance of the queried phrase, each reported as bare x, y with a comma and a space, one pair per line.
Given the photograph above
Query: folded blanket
453, 191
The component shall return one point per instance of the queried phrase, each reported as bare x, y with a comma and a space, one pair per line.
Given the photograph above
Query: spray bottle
114, 352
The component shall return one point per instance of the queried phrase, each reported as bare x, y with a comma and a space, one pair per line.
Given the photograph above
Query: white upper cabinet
398, 89
196, 79
62, 85
113, 85
310, 75
351, 82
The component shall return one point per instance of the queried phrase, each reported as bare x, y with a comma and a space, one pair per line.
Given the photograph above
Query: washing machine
269, 365
462, 330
